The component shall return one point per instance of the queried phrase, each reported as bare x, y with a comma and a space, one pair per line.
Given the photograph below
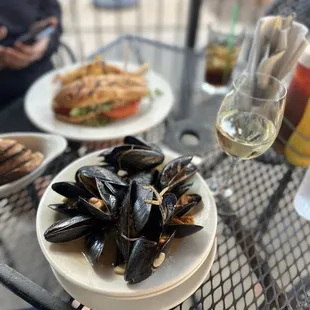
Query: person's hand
21, 55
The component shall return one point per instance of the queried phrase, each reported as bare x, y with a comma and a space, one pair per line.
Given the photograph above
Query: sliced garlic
159, 260
120, 269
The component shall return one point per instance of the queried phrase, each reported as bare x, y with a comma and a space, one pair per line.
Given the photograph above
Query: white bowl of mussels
129, 222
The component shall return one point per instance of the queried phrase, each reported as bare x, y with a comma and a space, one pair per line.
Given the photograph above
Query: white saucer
164, 301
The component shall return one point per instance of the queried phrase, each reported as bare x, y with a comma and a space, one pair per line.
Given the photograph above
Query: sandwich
97, 67
94, 100
16, 160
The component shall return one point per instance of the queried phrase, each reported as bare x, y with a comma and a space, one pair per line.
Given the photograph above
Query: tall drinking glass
250, 116
220, 60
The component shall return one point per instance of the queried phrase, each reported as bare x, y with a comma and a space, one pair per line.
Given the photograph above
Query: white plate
51, 146
184, 260
39, 98
164, 301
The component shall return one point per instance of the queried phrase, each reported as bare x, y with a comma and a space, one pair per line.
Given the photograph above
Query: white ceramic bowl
164, 301
51, 146
182, 262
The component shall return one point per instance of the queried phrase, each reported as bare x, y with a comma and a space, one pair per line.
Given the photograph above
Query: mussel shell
70, 190
182, 189
110, 155
69, 229
139, 265
172, 169
102, 174
166, 246
89, 184
125, 225
154, 227
188, 172
139, 141
65, 208
182, 230
143, 177
140, 209
92, 210
94, 244
110, 200
169, 203
189, 201
137, 160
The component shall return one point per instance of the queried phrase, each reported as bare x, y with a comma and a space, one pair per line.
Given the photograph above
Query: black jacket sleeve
49, 8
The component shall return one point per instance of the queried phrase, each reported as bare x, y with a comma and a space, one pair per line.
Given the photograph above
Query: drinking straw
231, 39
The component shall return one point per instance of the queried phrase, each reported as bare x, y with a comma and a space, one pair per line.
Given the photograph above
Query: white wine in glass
244, 134
250, 116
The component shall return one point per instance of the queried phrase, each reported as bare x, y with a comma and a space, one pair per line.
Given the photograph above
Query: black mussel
111, 201
135, 161
70, 190
65, 208
182, 189
168, 205
96, 207
154, 226
125, 226
69, 229
141, 205
163, 248
140, 263
182, 228
116, 190
102, 174
110, 155
94, 244
143, 177
89, 184
140, 142
165, 243
186, 203
173, 171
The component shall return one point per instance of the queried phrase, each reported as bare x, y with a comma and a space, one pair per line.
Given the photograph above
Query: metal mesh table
263, 255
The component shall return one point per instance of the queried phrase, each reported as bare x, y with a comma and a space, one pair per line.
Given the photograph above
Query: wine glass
250, 117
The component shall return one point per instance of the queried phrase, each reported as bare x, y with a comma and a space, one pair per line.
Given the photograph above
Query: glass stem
226, 190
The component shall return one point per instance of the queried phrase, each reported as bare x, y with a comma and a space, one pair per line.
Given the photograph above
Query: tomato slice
63, 111
122, 112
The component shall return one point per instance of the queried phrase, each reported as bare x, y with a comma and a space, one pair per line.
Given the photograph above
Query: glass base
214, 90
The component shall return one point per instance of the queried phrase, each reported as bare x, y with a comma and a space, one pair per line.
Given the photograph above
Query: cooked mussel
70, 190
168, 205
102, 174
136, 160
69, 229
176, 172
186, 203
95, 207
183, 227
65, 208
141, 205
94, 244
140, 142
139, 266
125, 226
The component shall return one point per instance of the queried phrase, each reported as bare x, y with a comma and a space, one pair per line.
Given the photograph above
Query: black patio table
263, 254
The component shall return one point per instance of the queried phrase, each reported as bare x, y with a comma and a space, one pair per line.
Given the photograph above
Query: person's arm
51, 8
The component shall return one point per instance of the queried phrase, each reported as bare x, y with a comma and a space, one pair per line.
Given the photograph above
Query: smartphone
38, 33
